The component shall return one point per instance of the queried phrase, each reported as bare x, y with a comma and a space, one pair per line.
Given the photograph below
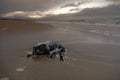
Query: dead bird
50, 48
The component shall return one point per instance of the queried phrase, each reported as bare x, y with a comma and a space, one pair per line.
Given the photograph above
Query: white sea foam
20, 69
107, 33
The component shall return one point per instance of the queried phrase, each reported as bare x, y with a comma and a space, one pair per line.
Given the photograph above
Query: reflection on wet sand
93, 51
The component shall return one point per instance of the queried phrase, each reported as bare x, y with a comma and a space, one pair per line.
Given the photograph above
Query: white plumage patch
29, 52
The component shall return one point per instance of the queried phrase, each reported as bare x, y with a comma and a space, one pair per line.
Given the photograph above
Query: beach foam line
107, 33
19, 69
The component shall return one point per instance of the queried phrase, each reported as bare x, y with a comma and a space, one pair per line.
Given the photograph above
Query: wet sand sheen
86, 60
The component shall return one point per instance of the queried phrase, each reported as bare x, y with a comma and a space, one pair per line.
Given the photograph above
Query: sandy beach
93, 51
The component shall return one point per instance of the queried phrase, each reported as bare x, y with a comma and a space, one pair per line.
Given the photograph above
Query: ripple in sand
74, 59
67, 62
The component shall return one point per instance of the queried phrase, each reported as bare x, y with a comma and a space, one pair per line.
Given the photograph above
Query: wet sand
93, 51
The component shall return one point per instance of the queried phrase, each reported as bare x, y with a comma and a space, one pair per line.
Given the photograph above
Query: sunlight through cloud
66, 8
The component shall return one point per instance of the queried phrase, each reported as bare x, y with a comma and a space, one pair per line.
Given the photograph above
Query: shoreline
92, 55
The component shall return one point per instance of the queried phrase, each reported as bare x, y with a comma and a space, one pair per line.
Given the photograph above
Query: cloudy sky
44, 8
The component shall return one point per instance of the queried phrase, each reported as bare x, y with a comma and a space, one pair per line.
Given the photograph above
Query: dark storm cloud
110, 10
72, 4
76, 9
29, 5
113, 0
108, 13
42, 5
43, 8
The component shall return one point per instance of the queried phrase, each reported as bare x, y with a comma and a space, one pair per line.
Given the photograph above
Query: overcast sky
38, 8
17, 5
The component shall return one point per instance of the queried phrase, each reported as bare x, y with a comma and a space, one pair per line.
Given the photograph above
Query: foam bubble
20, 69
